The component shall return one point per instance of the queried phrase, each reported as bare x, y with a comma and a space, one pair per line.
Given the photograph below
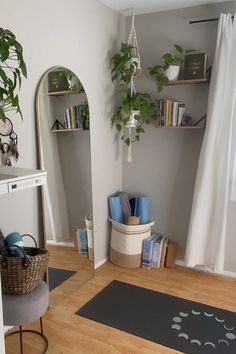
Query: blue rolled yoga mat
142, 209
115, 209
125, 206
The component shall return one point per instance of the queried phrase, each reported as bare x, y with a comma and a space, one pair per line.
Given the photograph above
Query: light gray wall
165, 161
80, 35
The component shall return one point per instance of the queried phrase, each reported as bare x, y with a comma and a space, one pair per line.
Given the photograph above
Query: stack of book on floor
82, 241
169, 113
73, 117
158, 252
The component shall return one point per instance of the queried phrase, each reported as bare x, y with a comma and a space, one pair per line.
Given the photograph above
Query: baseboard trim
7, 328
99, 264
226, 273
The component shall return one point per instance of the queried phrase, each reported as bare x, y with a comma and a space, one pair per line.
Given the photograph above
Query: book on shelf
169, 113
163, 252
73, 117
195, 66
157, 251
82, 241
148, 244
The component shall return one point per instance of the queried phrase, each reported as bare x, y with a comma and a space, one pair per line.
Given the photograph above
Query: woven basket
22, 275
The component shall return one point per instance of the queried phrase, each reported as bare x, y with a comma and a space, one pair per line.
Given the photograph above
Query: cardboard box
171, 254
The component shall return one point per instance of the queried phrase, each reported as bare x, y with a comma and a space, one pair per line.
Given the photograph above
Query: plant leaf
127, 141
118, 127
4, 52
178, 48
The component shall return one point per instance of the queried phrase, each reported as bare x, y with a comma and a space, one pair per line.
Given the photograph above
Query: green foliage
84, 111
158, 71
122, 68
12, 67
138, 101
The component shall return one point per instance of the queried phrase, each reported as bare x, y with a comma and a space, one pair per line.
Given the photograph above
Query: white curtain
208, 223
54, 199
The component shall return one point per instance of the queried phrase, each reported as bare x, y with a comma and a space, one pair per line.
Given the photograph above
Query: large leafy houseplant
158, 72
135, 106
12, 67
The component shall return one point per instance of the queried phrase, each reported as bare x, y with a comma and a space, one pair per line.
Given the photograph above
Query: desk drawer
26, 183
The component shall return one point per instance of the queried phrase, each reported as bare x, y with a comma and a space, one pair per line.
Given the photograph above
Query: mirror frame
40, 153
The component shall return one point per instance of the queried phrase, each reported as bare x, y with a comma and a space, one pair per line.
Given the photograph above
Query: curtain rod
206, 20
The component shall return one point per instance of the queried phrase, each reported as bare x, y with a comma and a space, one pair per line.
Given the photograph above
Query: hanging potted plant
170, 69
12, 67
125, 64
135, 111
136, 108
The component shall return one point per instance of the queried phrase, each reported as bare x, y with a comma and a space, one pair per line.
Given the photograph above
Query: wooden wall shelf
182, 127
187, 82
64, 93
67, 130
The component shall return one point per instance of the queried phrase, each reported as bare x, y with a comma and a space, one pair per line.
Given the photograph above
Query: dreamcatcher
8, 149
135, 69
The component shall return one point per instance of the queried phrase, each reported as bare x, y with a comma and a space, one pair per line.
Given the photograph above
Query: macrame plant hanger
136, 67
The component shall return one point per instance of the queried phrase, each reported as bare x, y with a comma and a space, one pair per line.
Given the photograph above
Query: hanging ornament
8, 150
6, 154
135, 67
13, 145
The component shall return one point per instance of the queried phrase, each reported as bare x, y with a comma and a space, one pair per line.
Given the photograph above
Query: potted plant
134, 111
12, 67
125, 64
170, 69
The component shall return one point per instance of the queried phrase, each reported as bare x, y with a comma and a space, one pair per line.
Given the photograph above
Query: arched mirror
62, 116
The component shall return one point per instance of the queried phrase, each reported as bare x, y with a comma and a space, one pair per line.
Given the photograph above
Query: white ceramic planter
173, 72
134, 65
132, 122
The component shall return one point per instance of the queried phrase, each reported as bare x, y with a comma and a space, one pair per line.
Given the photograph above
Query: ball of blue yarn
14, 238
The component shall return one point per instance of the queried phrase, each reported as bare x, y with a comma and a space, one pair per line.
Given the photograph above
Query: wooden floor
68, 258
71, 334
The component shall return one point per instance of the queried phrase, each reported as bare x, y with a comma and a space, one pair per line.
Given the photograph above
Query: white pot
134, 65
173, 72
132, 122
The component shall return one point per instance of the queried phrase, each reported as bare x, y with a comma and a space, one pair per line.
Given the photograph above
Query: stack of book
169, 113
73, 117
156, 248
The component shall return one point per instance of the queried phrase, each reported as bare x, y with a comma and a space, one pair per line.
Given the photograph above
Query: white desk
13, 179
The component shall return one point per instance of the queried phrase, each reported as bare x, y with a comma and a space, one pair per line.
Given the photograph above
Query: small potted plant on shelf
169, 71
125, 64
134, 111
12, 67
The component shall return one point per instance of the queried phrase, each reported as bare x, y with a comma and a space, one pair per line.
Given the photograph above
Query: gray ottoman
21, 309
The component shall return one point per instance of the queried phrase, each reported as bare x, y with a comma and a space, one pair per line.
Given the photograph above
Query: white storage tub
126, 243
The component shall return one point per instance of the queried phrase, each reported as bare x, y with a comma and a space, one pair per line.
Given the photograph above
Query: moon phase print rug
187, 326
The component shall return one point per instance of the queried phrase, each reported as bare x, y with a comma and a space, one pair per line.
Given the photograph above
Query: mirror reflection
62, 114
